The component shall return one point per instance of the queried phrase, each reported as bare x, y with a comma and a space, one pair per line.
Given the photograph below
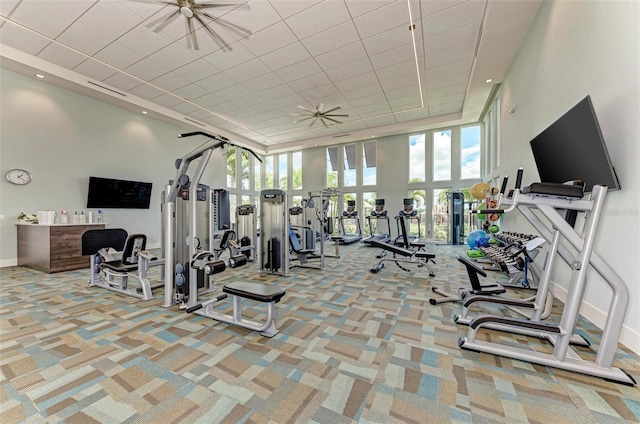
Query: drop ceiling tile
173, 56
224, 60
208, 100
7, 6
287, 8
357, 8
409, 101
461, 78
412, 115
167, 100
83, 38
383, 19
253, 16
402, 92
170, 81
184, 107
399, 82
357, 81
446, 91
276, 92
299, 70
380, 107
269, 39
462, 35
196, 71
146, 69
233, 92
392, 57
224, 107
200, 114
353, 126
407, 69
147, 92
62, 56
445, 109
449, 68
248, 70
110, 18
350, 70
331, 100
431, 7
293, 99
122, 82
331, 39
41, 17
286, 56
366, 100
117, 55
190, 92
454, 17
216, 82
21, 39
313, 95
263, 82
453, 98
142, 9
341, 56
318, 18
144, 41
246, 101
94, 70
391, 39
357, 93
72, 8
205, 43
312, 81
380, 121
454, 54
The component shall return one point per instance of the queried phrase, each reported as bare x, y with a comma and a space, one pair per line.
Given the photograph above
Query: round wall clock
18, 176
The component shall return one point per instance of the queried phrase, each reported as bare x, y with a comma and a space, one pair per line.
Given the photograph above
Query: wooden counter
53, 248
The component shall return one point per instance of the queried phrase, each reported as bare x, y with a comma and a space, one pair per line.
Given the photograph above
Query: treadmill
407, 214
352, 214
378, 214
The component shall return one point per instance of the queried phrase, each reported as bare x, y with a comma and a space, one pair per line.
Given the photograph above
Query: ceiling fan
190, 10
319, 114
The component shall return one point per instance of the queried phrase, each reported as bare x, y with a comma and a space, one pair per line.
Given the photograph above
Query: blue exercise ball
474, 237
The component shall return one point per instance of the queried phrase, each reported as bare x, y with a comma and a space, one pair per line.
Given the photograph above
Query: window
349, 158
369, 163
440, 214
417, 156
268, 172
282, 171
296, 171
491, 148
442, 155
231, 167
245, 200
470, 152
296, 201
245, 169
257, 181
368, 204
417, 227
332, 167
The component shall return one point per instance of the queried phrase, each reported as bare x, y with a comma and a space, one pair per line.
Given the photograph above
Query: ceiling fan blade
335, 115
299, 114
156, 1
331, 119
218, 40
157, 27
319, 107
331, 110
243, 32
313, 122
302, 120
323, 123
308, 110
211, 5
192, 40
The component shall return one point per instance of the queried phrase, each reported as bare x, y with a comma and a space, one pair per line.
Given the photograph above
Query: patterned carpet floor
353, 347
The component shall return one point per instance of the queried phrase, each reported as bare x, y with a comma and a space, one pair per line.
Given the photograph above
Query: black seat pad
555, 189
255, 291
425, 255
392, 248
118, 266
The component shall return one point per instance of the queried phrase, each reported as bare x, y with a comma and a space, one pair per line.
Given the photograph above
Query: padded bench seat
425, 255
555, 190
118, 266
255, 291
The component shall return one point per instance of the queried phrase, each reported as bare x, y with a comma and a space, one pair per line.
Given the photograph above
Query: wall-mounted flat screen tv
111, 193
572, 148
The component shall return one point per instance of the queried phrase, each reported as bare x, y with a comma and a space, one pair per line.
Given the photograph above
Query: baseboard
8, 262
628, 337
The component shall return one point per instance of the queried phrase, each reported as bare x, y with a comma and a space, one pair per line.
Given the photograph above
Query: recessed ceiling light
40, 76
472, 120
373, 136
144, 112
489, 80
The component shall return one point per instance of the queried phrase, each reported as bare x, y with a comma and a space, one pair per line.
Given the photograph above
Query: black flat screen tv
572, 148
111, 193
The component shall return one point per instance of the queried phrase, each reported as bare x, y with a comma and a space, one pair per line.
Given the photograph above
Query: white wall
62, 138
576, 49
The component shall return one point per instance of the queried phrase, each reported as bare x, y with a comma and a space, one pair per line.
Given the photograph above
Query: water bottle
83, 218
99, 219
